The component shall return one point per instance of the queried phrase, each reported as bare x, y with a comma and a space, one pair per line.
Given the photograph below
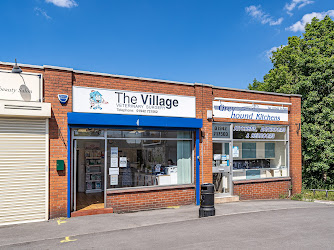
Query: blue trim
197, 169
91, 119
131, 121
68, 172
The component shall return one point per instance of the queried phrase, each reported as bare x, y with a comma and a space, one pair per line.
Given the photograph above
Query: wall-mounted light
209, 114
16, 68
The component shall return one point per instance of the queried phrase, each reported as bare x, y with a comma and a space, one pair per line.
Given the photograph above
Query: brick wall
149, 198
269, 189
204, 103
58, 81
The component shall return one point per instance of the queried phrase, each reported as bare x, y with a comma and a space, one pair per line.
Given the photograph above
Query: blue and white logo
62, 98
96, 100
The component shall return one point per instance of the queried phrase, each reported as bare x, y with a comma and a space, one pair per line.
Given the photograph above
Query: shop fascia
235, 110
109, 101
25, 87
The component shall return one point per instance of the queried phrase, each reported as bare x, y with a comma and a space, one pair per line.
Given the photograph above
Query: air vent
20, 107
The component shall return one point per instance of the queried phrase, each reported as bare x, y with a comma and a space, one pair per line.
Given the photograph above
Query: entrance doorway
221, 168
88, 174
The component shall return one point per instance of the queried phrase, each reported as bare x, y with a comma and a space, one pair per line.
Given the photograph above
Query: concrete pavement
94, 231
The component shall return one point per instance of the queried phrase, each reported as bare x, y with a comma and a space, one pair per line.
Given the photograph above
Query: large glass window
148, 157
259, 151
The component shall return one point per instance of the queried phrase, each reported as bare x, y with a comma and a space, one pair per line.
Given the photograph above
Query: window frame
286, 140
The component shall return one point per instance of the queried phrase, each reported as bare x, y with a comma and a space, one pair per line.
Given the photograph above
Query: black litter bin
207, 207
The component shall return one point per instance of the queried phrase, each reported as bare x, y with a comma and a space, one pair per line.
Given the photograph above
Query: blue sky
225, 43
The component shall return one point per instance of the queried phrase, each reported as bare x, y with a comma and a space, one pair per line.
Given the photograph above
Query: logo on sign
96, 100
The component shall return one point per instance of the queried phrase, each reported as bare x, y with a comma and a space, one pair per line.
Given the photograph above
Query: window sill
262, 180
149, 189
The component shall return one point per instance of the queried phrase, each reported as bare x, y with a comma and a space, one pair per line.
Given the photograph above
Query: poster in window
113, 171
113, 180
235, 151
122, 162
114, 152
217, 157
114, 162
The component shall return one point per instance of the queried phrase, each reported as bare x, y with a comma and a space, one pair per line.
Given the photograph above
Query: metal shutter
23, 170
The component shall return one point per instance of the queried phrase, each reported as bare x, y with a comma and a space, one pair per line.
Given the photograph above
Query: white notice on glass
114, 152
113, 179
235, 151
217, 157
113, 171
114, 162
122, 162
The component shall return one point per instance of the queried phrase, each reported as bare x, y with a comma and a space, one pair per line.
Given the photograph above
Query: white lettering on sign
249, 111
220, 131
245, 128
108, 101
20, 87
260, 136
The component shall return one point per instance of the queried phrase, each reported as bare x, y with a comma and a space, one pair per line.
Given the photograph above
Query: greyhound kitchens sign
109, 101
20, 87
234, 110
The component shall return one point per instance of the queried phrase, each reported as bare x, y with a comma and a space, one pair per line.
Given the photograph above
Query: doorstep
92, 212
222, 198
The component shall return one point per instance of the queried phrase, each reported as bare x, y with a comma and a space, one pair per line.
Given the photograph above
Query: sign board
220, 130
110, 101
252, 131
24, 87
234, 110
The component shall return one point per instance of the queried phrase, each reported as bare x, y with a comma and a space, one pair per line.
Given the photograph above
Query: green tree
306, 66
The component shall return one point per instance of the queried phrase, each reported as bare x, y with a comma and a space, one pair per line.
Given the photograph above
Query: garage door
23, 170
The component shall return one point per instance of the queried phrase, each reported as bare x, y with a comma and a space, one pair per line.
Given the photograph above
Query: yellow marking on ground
174, 207
61, 220
67, 239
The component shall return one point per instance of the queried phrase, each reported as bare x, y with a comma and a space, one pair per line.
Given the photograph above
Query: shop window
227, 148
259, 151
141, 161
248, 150
135, 133
89, 132
270, 150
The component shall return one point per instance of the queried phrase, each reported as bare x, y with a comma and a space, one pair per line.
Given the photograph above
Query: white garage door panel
23, 170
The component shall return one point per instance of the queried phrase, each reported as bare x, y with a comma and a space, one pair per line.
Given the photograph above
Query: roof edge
256, 91
23, 65
143, 78
131, 77
57, 68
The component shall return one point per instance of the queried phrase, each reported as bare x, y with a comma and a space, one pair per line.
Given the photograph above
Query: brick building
121, 143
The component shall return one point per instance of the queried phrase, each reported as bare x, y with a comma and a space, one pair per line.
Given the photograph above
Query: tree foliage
306, 66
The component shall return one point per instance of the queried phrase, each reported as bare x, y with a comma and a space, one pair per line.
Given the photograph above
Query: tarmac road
242, 225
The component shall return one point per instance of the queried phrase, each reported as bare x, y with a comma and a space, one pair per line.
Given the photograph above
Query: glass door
221, 167
88, 168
